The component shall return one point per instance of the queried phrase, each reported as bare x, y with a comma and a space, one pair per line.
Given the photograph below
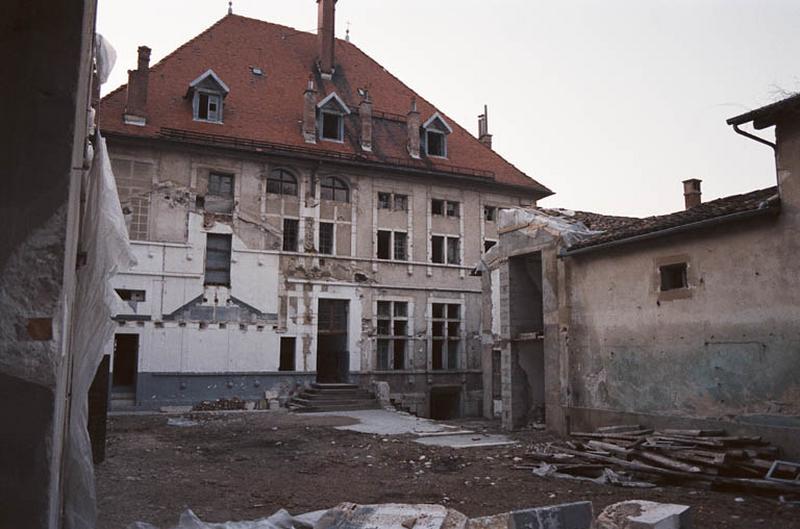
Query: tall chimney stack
691, 192
413, 130
365, 114
310, 112
483, 128
136, 102
326, 35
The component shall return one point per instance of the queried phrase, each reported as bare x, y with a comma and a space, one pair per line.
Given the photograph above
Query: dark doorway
445, 402
126, 362
333, 358
287, 354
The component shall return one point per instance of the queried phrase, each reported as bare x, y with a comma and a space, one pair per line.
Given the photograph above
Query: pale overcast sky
610, 103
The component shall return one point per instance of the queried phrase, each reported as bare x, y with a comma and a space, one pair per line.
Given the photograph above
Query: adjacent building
298, 214
681, 320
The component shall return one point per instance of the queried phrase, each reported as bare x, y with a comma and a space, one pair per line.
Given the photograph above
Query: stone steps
333, 397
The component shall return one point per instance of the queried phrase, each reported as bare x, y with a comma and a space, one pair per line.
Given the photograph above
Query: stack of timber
708, 456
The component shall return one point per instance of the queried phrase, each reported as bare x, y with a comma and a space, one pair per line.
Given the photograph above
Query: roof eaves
765, 116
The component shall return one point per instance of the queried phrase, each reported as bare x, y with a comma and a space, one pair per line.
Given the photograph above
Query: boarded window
291, 229
282, 182
287, 362
218, 260
445, 335
673, 276
326, 238
437, 249
392, 331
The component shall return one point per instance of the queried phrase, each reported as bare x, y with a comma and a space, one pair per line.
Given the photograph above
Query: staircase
122, 401
333, 397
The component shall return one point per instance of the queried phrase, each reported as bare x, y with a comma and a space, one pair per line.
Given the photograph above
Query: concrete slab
470, 440
383, 422
641, 514
391, 516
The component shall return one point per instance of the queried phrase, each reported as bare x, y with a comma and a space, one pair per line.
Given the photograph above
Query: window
291, 229
134, 296
332, 126
332, 188
392, 332
401, 202
489, 213
445, 335
453, 209
673, 276
287, 354
400, 246
282, 182
384, 200
488, 244
219, 198
445, 207
392, 245
218, 260
209, 107
453, 250
384, 244
437, 249
326, 238
436, 143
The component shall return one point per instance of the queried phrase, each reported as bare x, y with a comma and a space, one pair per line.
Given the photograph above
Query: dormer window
208, 93
332, 111
434, 136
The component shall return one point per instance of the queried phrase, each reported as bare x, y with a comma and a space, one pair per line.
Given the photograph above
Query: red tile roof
627, 229
269, 108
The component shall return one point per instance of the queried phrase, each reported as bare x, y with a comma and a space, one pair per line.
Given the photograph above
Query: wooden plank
694, 433
667, 462
620, 428
608, 447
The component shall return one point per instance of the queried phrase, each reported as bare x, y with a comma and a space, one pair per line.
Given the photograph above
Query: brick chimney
310, 112
483, 128
136, 102
326, 35
691, 192
413, 130
365, 114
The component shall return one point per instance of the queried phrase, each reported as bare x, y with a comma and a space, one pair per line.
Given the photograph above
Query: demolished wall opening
333, 358
526, 329
287, 361
125, 364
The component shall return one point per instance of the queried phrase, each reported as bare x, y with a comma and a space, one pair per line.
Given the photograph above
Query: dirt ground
243, 466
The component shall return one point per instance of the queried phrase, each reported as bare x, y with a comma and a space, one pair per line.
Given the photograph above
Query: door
126, 363
333, 358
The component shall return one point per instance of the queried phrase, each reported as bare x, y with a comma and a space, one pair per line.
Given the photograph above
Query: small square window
436, 143
384, 200
401, 202
437, 207
673, 276
401, 309
332, 126
489, 213
385, 308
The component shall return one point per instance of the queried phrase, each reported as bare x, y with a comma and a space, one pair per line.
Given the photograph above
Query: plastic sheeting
105, 56
562, 227
104, 239
279, 520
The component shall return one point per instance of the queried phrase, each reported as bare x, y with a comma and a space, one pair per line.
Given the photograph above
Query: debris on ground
684, 456
233, 403
181, 422
640, 514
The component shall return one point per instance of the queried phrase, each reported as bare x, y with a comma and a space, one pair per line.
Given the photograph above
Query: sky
609, 103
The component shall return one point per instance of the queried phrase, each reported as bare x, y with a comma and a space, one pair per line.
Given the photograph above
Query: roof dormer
332, 111
434, 136
208, 93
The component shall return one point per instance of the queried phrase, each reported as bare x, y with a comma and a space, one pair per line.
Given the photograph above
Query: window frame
389, 320
224, 251
490, 213
443, 206
284, 240
208, 94
331, 238
442, 143
285, 178
335, 186
450, 359
324, 116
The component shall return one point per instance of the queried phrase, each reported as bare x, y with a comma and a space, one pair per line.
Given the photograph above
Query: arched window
332, 188
282, 182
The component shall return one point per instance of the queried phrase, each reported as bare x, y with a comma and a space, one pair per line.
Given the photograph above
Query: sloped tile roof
625, 228
269, 108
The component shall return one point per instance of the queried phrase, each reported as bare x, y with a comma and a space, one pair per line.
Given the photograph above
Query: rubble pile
708, 456
234, 403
